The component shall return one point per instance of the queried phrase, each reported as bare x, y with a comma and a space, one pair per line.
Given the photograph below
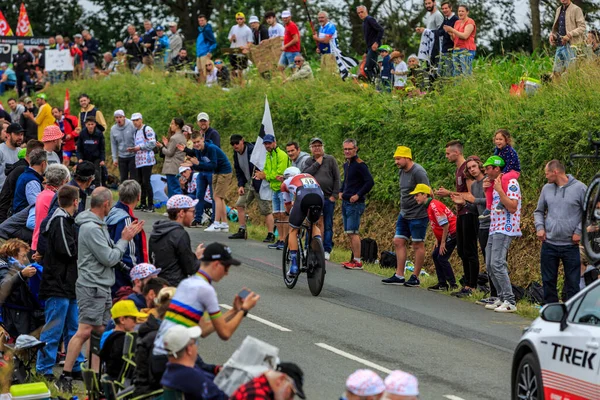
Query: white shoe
165, 214
494, 305
506, 307
327, 256
224, 227
215, 227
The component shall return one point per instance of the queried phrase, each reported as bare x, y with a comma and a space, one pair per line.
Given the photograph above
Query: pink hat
51, 133
179, 201
402, 384
365, 382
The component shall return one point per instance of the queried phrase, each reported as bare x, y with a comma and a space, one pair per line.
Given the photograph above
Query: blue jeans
203, 181
6, 85
463, 62
445, 65
278, 202
173, 186
443, 269
351, 213
564, 56
61, 316
550, 257
414, 229
328, 210
287, 58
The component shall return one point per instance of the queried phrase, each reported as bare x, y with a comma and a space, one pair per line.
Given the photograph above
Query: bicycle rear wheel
316, 266
590, 224
287, 264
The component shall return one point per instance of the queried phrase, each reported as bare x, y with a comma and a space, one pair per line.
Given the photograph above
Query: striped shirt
194, 296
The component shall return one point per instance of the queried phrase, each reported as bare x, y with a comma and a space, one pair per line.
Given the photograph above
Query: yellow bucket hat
403, 151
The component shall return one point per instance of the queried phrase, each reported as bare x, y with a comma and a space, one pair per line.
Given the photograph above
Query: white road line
353, 358
261, 320
453, 397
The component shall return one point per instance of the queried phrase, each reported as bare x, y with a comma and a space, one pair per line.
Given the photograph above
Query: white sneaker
506, 307
215, 227
224, 227
494, 305
327, 256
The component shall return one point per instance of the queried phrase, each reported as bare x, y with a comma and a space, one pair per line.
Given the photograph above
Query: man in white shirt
275, 28
240, 36
433, 19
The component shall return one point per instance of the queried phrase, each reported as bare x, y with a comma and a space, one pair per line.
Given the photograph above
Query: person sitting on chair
303, 197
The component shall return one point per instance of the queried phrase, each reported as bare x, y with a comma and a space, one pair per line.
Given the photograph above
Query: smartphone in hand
243, 293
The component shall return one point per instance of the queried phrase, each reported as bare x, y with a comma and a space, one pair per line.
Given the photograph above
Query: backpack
368, 250
519, 292
388, 259
535, 293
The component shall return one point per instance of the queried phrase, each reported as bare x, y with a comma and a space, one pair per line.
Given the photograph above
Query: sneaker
270, 238
506, 307
149, 209
393, 280
64, 384
196, 224
456, 292
485, 216
500, 207
486, 301
440, 287
280, 245
60, 358
453, 286
327, 255
494, 305
141, 207
77, 375
241, 234
413, 281
291, 274
275, 246
224, 227
215, 227
353, 265
464, 293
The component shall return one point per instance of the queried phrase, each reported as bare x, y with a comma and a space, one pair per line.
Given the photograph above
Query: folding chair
90, 377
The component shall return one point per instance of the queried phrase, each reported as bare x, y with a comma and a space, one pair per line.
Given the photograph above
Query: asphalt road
457, 350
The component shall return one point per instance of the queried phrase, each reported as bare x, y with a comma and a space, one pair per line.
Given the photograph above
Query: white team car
558, 357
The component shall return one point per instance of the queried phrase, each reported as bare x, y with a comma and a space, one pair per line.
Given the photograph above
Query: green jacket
275, 164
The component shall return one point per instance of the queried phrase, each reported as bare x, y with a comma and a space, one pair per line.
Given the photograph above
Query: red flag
23, 25
66, 107
4, 27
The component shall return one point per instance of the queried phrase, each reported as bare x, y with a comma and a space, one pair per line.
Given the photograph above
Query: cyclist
300, 191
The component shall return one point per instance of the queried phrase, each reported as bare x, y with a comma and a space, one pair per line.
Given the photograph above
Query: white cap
401, 383
119, 113
183, 169
178, 336
413, 56
136, 116
202, 116
286, 14
253, 18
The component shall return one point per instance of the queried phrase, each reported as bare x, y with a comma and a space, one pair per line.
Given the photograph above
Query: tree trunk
536, 24
187, 14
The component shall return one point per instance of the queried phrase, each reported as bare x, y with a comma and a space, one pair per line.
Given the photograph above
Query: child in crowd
418, 77
443, 224
124, 314
400, 70
386, 68
511, 169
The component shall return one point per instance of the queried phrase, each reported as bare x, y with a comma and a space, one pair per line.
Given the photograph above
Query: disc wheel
316, 266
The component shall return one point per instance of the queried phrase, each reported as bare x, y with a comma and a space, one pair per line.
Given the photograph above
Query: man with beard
9, 150
52, 141
16, 110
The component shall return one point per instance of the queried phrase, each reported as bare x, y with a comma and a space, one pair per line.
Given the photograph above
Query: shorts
564, 56
351, 213
67, 154
278, 203
300, 210
414, 229
238, 61
264, 206
220, 185
94, 305
287, 58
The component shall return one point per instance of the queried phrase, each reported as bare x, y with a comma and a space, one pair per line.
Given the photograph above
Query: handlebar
594, 144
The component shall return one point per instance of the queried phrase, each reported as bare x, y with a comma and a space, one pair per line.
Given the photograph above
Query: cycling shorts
305, 199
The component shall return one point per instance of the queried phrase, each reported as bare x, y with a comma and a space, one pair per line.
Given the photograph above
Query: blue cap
160, 28
268, 139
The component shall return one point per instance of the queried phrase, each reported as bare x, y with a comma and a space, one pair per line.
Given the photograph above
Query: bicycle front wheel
316, 266
590, 224
287, 264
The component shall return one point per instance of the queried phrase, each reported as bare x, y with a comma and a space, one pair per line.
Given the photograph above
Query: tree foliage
47, 17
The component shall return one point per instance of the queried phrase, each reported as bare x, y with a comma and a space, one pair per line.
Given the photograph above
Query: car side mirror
555, 312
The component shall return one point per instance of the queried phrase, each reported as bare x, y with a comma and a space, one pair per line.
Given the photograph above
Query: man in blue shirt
8, 79
327, 42
206, 44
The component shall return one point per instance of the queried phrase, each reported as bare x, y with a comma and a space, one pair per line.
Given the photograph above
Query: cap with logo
286, 14
421, 188
293, 371
253, 19
401, 383
143, 271
126, 308
180, 201
315, 140
202, 117
269, 139
403, 151
240, 15
219, 252
52, 132
15, 128
135, 116
119, 113
177, 338
494, 161
365, 382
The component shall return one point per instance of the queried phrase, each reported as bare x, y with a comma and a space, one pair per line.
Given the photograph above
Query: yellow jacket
44, 119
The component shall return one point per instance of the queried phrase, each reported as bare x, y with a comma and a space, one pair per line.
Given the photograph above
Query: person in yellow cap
443, 224
240, 36
412, 220
124, 314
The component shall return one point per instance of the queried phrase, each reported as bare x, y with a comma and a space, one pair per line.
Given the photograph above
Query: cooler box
30, 391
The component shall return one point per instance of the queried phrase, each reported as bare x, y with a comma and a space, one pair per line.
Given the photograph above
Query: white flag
259, 154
